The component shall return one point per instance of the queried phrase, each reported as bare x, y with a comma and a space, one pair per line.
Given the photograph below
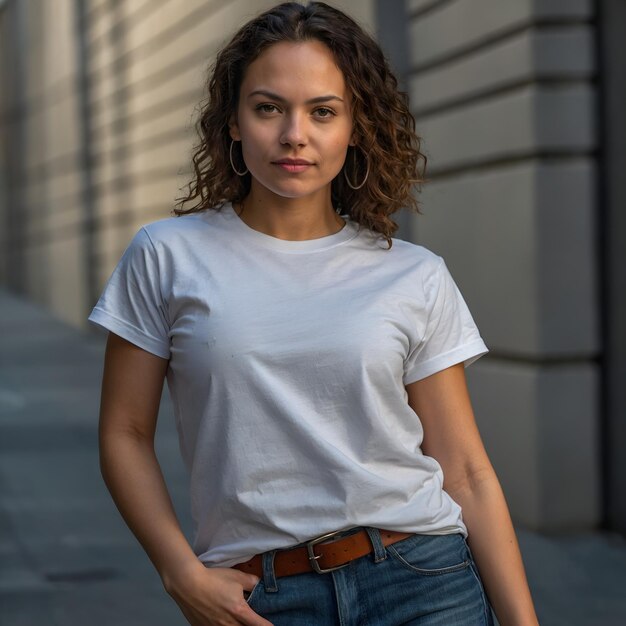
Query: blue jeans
425, 580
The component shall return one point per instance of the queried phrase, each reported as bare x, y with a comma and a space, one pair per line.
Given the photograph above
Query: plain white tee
287, 366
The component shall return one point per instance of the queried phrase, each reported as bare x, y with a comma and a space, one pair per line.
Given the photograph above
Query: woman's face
294, 120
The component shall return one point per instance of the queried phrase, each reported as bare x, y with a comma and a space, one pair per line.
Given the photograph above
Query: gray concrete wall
504, 97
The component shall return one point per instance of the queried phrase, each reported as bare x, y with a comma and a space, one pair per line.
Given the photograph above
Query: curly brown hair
384, 128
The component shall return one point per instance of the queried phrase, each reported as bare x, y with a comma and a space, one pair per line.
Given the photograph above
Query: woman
316, 366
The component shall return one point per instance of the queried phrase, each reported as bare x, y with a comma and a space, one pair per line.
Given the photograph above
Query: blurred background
520, 104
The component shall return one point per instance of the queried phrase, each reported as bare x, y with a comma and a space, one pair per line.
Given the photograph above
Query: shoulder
416, 253
421, 265
403, 255
163, 228
174, 243
174, 231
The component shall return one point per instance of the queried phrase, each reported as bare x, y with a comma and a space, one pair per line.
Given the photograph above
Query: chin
293, 190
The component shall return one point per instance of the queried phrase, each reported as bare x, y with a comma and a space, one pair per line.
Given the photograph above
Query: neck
293, 219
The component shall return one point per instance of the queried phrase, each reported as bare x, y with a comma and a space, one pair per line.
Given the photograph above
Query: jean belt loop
269, 576
380, 553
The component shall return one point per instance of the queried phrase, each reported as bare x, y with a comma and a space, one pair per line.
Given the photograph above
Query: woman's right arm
132, 384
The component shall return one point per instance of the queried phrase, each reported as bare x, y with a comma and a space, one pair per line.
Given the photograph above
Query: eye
267, 108
324, 112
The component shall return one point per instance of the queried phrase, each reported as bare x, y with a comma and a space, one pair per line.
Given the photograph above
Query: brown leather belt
322, 554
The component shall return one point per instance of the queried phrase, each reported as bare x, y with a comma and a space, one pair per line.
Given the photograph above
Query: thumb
247, 581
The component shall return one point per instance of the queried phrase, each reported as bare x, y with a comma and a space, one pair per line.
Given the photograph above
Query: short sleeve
450, 335
131, 304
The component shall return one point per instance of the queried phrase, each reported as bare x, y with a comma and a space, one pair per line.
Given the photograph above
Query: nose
294, 130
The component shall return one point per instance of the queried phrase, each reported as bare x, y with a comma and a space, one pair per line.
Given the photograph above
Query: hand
213, 596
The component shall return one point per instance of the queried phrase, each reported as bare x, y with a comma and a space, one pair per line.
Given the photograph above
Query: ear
233, 128
352, 141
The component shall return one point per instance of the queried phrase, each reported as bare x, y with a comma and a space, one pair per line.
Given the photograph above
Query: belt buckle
313, 557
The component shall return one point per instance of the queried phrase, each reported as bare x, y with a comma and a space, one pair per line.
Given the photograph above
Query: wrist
177, 571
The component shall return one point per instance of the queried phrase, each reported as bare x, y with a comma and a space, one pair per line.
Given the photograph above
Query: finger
247, 581
198, 618
247, 616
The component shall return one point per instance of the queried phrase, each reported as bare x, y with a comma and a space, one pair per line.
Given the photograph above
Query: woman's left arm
451, 437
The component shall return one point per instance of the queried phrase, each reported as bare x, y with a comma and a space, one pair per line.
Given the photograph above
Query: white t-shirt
287, 367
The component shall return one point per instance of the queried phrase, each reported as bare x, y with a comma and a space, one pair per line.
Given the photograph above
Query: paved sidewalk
67, 559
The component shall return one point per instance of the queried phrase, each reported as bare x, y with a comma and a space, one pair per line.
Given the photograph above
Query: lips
293, 165
293, 162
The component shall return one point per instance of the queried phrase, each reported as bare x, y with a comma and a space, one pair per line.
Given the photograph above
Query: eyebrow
275, 96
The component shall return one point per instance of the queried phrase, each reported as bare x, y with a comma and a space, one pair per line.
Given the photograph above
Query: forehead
296, 69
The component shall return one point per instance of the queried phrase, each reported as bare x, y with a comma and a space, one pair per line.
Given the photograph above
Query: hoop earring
367, 172
232, 164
